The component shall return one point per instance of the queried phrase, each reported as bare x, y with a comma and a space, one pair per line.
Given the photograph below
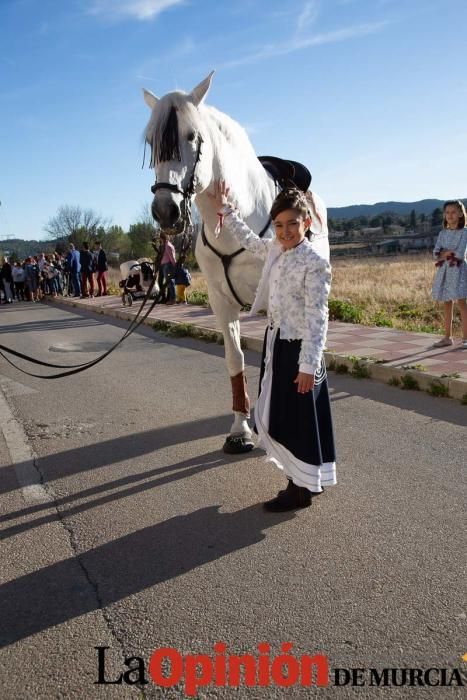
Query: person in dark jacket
86, 259
31, 271
7, 281
101, 268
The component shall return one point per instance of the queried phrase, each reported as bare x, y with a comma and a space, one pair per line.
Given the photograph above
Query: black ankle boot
289, 499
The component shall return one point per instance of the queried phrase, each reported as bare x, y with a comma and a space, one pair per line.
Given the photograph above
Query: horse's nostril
154, 212
174, 212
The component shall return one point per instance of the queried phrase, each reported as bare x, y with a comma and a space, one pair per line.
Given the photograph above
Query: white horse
193, 146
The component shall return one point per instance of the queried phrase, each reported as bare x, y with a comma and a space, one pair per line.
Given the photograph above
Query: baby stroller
137, 276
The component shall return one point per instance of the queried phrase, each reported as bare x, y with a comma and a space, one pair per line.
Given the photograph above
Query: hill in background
22, 249
424, 206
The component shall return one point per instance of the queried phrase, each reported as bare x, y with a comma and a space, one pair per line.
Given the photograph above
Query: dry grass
384, 281
198, 283
393, 291
386, 291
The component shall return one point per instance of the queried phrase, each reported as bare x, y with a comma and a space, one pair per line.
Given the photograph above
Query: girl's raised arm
229, 219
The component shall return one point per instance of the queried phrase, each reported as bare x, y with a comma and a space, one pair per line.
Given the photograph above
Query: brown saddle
287, 173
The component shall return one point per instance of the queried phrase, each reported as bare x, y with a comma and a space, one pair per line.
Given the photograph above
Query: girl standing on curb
292, 413
450, 283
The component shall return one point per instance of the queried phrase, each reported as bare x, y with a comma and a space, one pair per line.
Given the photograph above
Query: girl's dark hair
290, 198
455, 203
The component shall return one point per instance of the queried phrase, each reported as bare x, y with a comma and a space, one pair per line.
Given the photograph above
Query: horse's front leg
226, 314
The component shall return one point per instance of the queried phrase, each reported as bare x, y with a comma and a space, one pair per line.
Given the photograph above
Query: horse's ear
200, 91
150, 99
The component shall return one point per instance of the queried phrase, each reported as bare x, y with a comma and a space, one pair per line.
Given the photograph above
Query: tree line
385, 220
74, 224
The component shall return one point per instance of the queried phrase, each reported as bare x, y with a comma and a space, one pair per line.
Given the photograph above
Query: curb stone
378, 371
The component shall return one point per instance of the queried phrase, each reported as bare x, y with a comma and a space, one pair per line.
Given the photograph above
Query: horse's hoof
237, 444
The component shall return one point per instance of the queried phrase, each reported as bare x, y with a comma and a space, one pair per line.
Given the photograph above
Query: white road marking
12, 388
338, 394
21, 456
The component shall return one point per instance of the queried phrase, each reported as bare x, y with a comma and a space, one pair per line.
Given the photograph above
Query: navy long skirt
301, 423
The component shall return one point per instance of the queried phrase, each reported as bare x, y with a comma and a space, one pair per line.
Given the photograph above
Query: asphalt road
124, 525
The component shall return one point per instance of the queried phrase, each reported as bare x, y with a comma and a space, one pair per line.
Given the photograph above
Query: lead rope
135, 323
75, 369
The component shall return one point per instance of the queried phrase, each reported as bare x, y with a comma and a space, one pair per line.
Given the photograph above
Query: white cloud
297, 44
308, 15
136, 9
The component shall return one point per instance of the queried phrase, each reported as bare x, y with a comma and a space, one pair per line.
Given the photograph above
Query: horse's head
181, 153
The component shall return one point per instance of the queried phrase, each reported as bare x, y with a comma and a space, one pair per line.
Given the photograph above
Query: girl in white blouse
292, 413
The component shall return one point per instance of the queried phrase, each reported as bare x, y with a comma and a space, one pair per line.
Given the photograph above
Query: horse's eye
191, 136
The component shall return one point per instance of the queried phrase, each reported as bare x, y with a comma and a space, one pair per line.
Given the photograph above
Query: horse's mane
235, 156
231, 144
162, 130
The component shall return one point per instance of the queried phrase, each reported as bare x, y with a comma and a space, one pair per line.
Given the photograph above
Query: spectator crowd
78, 273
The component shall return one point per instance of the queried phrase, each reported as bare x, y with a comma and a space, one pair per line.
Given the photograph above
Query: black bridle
186, 193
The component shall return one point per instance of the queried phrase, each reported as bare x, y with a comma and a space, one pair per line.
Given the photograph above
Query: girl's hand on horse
221, 194
306, 382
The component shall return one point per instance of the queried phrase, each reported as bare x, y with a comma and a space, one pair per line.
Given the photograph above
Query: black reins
226, 260
75, 369
187, 194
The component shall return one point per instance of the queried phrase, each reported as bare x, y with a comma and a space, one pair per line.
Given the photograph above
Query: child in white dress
450, 283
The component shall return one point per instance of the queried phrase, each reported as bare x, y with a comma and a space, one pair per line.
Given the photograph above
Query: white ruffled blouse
297, 301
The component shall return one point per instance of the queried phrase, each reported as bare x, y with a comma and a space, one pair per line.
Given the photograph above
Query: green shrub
180, 330
344, 311
342, 369
187, 330
409, 382
406, 311
419, 367
394, 381
425, 328
360, 371
464, 400
113, 290
381, 319
161, 326
197, 297
437, 388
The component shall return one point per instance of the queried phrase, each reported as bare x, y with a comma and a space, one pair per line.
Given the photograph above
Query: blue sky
370, 94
